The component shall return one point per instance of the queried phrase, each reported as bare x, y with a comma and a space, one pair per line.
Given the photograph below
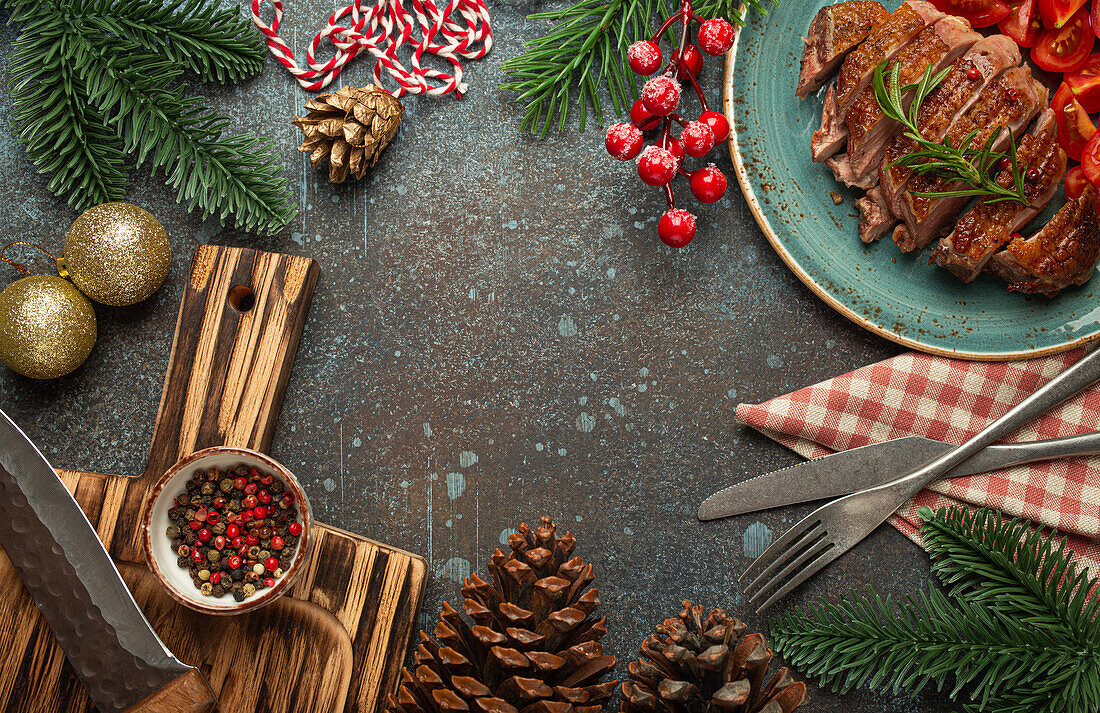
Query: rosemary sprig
965, 163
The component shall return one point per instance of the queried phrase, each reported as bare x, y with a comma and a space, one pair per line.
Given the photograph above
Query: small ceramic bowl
158, 548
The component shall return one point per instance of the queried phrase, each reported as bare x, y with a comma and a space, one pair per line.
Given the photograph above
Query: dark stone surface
497, 334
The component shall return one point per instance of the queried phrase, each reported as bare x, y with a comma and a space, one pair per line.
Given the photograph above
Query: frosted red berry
717, 123
642, 117
656, 166
676, 149
693, 59
708, 184
716, 36
644, 57
697, 139
676, 228
277, 543
623, 141
661, 95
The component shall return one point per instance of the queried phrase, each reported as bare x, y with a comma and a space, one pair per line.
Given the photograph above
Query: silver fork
834, 528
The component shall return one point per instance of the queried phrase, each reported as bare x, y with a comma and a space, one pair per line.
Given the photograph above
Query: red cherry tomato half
1056, 13
1074, 126
1065, 49
1085, 83
1096, 18
1022, 24
979, 13
1075, 183
1090, 160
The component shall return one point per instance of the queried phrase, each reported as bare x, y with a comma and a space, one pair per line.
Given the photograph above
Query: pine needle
64, 135
232, 176
213, 41
94, 80
582, 59
1020, 636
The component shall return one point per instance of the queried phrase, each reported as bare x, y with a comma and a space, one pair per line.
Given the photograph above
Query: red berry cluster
656, 109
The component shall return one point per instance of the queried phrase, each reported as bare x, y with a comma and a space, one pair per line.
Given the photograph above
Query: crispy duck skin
858, 68
926, 218
835, 31
1062, 254
869, 130
987, 227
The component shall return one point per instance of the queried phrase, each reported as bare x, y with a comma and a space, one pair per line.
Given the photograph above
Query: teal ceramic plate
900, 297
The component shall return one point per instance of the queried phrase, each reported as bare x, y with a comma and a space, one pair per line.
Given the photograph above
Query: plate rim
822, 293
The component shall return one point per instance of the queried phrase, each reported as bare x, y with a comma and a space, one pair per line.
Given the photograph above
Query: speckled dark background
496, 334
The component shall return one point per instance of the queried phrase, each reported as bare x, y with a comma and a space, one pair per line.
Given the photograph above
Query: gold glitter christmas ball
117, 254
47, 328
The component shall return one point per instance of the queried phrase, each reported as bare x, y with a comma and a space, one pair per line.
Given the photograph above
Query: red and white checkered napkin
951, 400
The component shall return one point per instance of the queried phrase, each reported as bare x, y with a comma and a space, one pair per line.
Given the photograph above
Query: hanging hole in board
242, 298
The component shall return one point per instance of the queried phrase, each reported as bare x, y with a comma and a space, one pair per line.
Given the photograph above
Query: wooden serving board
336, 642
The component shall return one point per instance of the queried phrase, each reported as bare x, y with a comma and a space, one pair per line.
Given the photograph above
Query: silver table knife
856, 469
121, 661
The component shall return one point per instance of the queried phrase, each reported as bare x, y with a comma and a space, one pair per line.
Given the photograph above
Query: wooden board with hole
336, 642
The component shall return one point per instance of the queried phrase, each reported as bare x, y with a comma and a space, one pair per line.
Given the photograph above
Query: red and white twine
384, 28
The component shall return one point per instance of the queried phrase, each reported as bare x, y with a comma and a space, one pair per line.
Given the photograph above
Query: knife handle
1005, 455
190, 693
1083, 373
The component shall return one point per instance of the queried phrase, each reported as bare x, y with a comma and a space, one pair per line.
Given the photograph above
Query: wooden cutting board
336, 642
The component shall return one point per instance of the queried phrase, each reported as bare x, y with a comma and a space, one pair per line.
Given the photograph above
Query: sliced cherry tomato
1075, 183
1074, 126
1096, 18
1085, 83
1022, 23
1056, 13
1090, 160
1065, 49
979, 13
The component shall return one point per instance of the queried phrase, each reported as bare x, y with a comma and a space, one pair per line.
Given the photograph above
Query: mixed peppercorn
236, 531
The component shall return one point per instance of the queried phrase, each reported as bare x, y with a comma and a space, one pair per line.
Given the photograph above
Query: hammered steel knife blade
121, 661
857, 469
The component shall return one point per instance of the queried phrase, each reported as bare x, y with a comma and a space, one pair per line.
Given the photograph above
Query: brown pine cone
534, 644
694, 665
350, 127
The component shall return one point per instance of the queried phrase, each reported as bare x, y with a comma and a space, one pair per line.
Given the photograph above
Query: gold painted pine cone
696, 665
350, 127
533, 646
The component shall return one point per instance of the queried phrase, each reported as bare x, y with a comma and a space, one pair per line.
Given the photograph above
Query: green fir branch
733, 10
1020, 636
581, 62
213, 41
867, 642
1021, 572
584, 50
235, 177
64, 135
